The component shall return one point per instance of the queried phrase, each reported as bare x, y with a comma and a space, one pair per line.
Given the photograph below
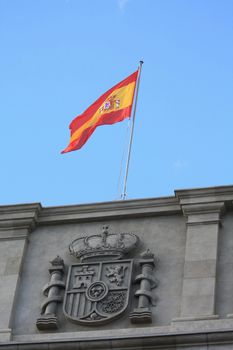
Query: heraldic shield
97, 292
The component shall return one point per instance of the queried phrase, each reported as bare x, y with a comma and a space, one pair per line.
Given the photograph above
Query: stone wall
191, 236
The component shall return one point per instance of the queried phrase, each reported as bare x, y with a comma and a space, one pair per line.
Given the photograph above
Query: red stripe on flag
82, 118
107, 119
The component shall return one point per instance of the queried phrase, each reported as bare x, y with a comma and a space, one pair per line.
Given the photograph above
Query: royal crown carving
103, 246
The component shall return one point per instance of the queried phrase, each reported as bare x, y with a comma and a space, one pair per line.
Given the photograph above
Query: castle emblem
98, 288
111, 103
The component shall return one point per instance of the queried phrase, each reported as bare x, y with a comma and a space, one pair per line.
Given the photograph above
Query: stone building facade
137, 274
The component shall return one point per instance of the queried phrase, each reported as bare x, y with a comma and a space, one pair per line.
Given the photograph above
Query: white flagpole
123, 196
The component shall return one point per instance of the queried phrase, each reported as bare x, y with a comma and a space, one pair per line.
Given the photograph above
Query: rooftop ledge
39, 215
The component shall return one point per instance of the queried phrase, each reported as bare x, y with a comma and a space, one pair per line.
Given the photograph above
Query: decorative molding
110, 210
144, 338
5, 335
17, 221
25, 216
196, 318
205, 195
204, 213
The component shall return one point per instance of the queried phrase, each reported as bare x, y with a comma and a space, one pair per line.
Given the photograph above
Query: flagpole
123, 196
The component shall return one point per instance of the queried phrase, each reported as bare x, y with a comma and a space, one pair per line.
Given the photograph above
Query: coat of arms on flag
112, 107
110, 104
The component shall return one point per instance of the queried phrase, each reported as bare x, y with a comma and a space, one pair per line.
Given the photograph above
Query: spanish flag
112, 107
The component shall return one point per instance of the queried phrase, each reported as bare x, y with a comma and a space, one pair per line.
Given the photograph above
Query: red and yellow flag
113, 106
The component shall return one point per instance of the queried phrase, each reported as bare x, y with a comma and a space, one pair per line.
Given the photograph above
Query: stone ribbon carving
49, 320
142, 313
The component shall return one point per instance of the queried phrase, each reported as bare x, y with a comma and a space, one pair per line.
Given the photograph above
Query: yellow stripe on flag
125, 97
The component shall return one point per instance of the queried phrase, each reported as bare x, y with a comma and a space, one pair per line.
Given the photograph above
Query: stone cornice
109, 210
205, 195
19, 220
204, 213
140, 338
16, 221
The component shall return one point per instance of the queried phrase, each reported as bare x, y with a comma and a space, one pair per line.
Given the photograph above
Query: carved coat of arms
97, 290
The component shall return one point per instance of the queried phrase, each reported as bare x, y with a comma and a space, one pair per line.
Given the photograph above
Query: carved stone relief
49, 320
99, 287
98, 297
143, 314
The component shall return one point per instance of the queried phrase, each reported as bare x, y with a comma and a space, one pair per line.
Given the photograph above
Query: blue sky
58, 56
